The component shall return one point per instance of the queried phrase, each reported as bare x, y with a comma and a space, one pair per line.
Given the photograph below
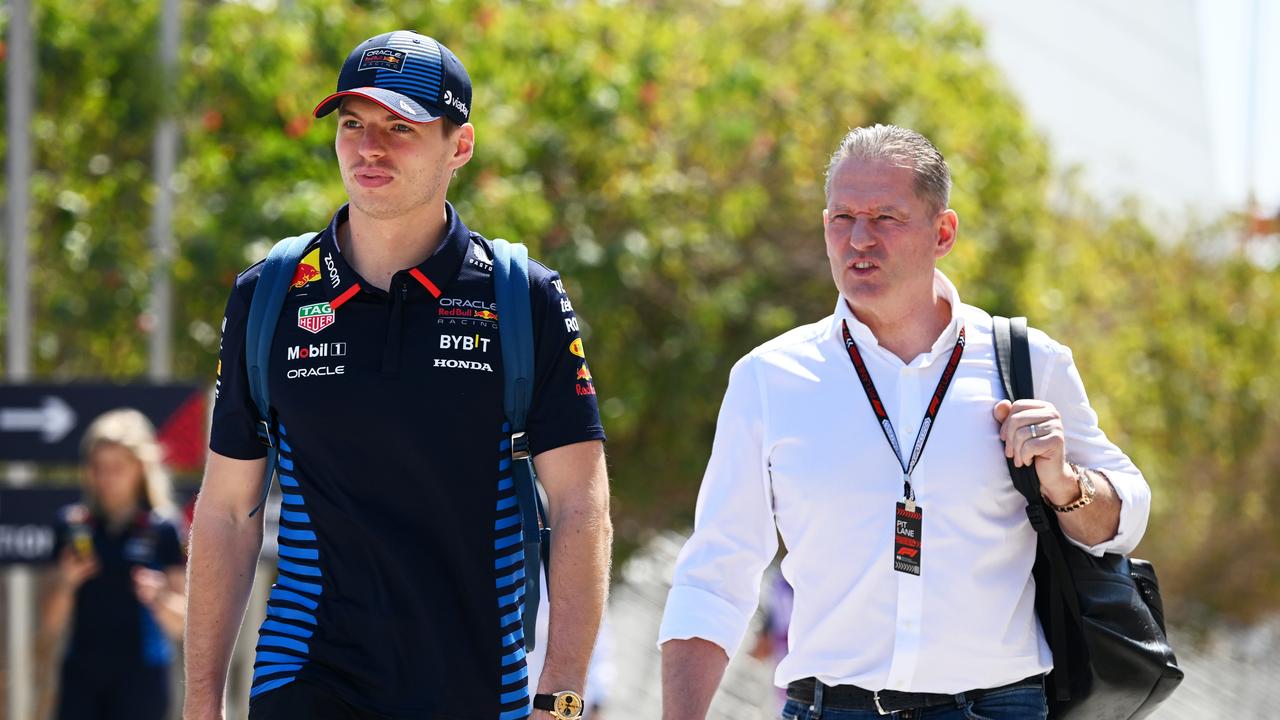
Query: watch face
1086, 483
568, 705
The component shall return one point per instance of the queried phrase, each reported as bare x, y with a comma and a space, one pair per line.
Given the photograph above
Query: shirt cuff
693, 612
243, 449
1135, 502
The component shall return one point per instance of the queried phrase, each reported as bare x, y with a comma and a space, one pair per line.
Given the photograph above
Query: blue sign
44, 423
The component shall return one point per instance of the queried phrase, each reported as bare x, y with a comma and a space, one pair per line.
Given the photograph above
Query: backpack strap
515, 332
1013, 360
264, 312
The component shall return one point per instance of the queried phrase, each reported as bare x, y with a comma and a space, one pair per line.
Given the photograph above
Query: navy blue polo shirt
109, 623
401, 568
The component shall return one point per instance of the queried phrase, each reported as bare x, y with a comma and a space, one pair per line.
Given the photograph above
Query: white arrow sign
53, 420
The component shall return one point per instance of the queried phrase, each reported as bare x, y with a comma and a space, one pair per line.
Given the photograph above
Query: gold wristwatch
564, 705
1087, 491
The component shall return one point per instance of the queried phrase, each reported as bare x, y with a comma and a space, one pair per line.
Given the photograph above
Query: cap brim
400, 105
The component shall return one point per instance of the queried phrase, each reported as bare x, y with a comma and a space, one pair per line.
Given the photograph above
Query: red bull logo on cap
486, 315
384, 58
308, 269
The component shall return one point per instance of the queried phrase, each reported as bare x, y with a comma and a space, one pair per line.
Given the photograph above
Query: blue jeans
1018, 703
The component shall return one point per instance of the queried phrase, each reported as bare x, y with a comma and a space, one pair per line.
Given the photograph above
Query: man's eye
401, 127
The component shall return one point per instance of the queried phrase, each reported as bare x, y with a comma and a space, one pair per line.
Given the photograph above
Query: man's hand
1047, 449
1091, 525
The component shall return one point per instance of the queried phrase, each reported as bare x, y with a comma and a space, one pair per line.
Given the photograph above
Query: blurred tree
668, 158
1176, 338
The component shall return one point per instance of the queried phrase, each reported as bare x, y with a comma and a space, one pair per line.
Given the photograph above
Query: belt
885, 702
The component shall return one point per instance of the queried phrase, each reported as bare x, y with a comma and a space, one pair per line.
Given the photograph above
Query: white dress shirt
797, 448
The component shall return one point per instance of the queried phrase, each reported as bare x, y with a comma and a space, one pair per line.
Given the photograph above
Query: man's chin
376, 208
864, 289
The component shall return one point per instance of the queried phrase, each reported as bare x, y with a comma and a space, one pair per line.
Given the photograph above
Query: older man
874, 441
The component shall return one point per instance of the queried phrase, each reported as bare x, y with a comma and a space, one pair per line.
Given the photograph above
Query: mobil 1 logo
316, 350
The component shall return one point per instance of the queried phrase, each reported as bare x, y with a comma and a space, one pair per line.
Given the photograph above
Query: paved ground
1234, 674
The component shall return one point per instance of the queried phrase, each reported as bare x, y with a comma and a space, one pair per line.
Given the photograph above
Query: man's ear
464, 140
947, 225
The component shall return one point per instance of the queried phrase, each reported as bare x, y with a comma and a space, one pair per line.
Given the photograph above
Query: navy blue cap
409, 74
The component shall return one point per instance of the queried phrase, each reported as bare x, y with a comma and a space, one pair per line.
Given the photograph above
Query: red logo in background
183, 434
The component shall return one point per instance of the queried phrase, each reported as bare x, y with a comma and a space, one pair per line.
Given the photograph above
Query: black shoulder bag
1103, 616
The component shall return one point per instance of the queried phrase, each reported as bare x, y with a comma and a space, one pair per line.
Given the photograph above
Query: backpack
511, 291
1102, 617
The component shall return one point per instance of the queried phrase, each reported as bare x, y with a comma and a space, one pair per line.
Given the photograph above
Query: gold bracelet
1087, 491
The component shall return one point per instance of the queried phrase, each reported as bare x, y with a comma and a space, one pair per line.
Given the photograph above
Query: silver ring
1035, 431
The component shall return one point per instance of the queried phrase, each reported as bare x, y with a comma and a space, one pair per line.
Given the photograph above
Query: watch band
564, 705
1087, 491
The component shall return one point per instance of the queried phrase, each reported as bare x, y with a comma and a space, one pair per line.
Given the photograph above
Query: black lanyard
877, 407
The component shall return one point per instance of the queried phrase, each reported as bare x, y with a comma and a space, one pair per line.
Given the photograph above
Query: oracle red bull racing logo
465, 310
385, 58
314, 318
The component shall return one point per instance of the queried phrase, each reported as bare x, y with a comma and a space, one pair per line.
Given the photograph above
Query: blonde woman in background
118, 578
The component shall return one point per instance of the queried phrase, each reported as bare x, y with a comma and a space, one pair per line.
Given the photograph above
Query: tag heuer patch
314, 318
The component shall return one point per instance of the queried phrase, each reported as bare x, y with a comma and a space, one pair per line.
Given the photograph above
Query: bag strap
264, 312
1013, 361
515, 332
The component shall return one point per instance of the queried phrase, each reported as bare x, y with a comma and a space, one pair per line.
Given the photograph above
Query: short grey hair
903, 148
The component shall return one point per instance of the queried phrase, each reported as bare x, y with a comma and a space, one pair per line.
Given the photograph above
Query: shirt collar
942, 287
437, 271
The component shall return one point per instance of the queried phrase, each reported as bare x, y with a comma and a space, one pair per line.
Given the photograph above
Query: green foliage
667, 158
1176, 341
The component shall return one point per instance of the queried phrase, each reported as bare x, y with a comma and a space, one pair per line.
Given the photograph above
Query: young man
399, 585
874, 441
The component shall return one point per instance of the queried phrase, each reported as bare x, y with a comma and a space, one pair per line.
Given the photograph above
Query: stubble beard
390, 208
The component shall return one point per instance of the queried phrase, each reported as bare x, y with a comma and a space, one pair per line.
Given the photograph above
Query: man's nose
860, 234
371, 144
